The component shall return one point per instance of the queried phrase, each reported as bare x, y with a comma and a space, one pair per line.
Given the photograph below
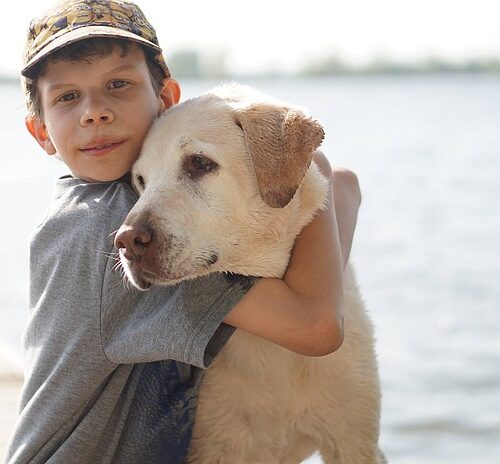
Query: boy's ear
39, 132
170, 94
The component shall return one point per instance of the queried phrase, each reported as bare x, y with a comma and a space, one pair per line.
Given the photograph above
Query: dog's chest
257, 367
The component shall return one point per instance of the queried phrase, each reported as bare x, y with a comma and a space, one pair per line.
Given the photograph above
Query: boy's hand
303, 311
347, 200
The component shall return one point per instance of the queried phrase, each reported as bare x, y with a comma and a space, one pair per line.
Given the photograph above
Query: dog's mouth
140, 283
138, 277
135, 276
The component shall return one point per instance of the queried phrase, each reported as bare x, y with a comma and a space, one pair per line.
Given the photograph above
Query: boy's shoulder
94, 203
83, 216
71, 193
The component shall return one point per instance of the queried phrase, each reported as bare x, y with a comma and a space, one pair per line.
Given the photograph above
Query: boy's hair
80, 52
76, 30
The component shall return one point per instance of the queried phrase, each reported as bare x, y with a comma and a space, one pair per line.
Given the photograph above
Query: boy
112, 373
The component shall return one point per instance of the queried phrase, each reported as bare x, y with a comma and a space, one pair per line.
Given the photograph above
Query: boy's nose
133, 240
97, 114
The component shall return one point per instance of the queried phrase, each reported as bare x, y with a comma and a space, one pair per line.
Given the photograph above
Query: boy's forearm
315, 269
274, 311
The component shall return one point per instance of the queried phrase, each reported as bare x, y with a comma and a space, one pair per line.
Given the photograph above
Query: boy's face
96, 113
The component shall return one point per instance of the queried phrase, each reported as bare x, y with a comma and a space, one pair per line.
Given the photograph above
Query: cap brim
82, 33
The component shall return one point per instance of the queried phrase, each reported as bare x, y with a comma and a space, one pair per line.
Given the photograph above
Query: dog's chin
143, 280
172, 278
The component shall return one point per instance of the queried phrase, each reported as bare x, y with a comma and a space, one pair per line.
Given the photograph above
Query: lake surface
427, 247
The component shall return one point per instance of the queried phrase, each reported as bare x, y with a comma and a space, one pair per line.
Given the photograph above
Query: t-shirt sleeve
183, 322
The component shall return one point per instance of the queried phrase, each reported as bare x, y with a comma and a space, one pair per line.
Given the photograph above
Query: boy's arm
303, 311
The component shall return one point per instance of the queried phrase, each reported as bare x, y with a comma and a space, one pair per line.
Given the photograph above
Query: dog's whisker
126, 283
123, 280
117, 283
110, 254
116, 266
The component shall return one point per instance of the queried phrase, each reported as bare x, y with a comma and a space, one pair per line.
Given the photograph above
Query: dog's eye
197, 165
203, 163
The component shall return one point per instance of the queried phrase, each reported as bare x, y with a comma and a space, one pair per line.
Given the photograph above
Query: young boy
112, 373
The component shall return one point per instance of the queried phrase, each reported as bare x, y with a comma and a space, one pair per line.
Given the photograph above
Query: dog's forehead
212, 112
192, 118
205, 124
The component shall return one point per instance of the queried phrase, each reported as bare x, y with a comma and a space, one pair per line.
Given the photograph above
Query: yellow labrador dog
249, 156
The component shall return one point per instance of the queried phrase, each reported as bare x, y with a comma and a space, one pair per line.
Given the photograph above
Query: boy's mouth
96, 149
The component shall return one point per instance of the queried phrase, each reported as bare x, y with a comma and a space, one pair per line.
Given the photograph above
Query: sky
283, 35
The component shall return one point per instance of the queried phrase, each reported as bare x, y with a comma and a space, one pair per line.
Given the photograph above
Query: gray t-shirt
111, 373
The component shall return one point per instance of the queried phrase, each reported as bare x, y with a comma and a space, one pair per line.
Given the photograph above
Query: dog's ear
281, 142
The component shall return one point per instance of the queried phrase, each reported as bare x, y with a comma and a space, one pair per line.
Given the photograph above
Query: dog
226, 184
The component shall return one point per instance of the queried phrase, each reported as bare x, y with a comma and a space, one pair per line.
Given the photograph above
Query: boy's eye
67, 97
117, 84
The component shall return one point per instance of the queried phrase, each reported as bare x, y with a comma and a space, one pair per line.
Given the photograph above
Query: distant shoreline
344, 72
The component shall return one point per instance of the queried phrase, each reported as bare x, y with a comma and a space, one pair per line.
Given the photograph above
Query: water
427, 154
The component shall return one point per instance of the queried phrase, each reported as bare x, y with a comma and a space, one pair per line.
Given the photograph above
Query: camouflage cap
74, 20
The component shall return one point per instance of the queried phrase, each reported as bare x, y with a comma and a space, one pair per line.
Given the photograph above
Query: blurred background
409, 96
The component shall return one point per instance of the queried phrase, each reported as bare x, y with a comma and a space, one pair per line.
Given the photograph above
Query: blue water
427, 247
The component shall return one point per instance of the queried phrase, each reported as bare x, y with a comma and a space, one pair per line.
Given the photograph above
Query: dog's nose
133, 240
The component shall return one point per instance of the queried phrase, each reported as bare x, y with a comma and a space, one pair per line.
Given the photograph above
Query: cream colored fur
259, 403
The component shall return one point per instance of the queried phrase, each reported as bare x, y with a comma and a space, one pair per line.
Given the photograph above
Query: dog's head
215, 175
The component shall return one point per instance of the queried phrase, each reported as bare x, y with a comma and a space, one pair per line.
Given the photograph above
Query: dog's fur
240, 213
